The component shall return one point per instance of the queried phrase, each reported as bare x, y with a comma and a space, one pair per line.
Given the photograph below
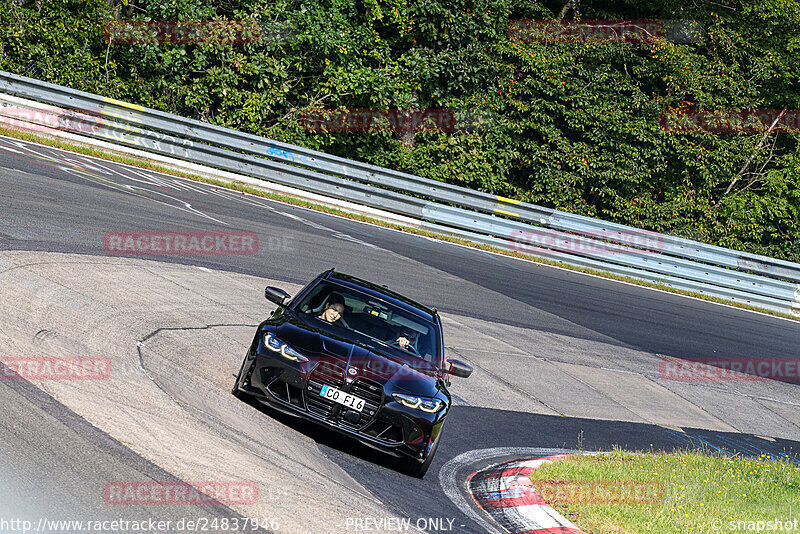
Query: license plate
345, 399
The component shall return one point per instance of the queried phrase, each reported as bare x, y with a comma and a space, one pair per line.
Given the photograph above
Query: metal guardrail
474, 215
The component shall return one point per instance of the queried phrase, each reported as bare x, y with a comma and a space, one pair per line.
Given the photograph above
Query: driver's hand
403, 342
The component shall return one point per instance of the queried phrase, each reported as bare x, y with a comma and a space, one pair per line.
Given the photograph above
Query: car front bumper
384, 424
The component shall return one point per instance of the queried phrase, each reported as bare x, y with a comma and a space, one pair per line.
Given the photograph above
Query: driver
407, 339
333, 310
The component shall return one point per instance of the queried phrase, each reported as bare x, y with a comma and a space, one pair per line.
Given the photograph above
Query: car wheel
418, 469
238, 393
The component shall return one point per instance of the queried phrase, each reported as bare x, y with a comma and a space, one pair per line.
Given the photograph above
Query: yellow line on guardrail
506, 213
123, 104
111, 114
132, 118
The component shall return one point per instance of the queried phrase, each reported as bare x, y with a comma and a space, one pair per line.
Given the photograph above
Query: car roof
382, 292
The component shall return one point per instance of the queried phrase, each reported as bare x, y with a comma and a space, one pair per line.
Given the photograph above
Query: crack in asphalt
235, 432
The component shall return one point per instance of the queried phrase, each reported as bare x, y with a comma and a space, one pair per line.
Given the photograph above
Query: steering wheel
410, 348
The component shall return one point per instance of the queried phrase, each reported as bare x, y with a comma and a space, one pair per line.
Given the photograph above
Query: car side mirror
276, 295
459, 368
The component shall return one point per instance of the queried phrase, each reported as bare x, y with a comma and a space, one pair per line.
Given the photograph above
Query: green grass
697, 491
245, 188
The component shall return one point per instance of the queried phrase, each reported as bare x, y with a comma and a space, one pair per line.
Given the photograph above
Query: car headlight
426, 404
276, 345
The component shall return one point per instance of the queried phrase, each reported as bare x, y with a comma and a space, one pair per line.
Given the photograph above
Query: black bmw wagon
358, 358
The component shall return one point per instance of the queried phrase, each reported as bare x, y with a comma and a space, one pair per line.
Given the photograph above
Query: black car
377, 373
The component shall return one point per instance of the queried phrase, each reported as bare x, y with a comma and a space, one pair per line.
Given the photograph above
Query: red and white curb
506, 493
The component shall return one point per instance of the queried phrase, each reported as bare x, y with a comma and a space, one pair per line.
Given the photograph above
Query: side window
315, 299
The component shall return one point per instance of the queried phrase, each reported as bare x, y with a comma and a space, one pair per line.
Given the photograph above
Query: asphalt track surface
55, 466
62, 206
73, 213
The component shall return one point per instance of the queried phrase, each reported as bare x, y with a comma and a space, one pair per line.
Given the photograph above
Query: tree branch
569, 5
753, 155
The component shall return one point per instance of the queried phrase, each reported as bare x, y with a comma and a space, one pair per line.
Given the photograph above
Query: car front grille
329, 373
332, 373
372, 393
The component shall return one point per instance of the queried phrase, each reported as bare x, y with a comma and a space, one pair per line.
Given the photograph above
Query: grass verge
672, 493
245, 188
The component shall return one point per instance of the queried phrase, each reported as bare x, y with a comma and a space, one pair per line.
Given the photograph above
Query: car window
376, 320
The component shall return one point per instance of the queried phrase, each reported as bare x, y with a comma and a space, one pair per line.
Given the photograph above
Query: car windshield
406, 334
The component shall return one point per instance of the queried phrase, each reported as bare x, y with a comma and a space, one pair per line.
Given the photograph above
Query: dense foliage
570, 125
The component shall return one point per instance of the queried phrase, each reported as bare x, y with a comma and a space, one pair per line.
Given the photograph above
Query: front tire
236, 392
418, 469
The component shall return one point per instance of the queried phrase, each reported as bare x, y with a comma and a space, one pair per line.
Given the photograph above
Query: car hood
359, 360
